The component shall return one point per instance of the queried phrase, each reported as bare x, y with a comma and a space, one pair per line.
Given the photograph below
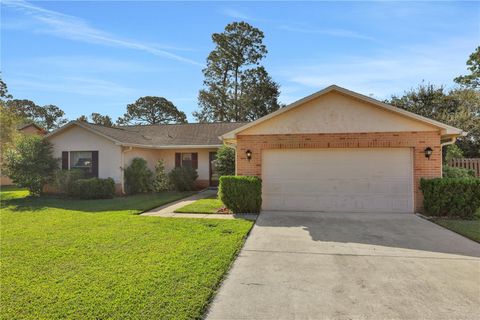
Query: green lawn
202, 206
467, 228
98, 259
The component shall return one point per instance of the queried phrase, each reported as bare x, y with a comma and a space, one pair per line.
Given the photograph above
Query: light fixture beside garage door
428, 152
248, 153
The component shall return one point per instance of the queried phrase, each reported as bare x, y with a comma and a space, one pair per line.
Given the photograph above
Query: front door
213, 170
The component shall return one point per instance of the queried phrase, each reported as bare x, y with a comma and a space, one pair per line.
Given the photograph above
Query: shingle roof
164, 135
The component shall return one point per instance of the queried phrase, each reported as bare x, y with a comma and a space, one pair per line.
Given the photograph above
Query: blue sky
99, 56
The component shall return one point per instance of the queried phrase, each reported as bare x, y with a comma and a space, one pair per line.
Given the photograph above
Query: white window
81, 160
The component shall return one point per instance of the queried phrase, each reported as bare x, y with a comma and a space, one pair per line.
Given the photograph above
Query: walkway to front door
351, 266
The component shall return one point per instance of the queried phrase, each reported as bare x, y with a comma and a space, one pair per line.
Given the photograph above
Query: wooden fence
467, 163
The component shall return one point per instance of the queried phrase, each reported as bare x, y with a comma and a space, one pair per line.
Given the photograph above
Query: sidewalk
167, 211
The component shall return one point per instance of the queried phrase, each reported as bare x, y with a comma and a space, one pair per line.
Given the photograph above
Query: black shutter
195, 160
64, 160
95, 164
178, 160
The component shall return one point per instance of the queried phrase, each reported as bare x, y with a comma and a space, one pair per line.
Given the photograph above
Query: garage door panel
338, 180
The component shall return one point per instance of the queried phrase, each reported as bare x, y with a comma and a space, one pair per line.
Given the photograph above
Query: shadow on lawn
136, 203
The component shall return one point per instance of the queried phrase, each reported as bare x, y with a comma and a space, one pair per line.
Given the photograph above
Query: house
337, 150
104, 151
26, 129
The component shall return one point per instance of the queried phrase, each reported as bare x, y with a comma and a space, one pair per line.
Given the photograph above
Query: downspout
122, 176
442, 144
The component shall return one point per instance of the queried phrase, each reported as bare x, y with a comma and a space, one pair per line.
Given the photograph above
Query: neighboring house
31, 129
26, 129
337, 150
104, 151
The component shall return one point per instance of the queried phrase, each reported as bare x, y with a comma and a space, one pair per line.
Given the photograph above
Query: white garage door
345, 180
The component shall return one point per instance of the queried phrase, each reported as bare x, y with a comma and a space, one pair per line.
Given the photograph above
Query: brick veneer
422, 166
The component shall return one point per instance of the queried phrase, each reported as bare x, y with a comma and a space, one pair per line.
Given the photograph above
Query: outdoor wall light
428, 152
248, 153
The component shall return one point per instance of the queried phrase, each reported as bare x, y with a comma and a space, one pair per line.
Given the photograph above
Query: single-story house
335, 150
105, 151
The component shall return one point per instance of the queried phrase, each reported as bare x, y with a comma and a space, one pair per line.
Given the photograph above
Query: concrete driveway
351, 266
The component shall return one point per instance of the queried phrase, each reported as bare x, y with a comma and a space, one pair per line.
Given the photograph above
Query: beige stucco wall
336, 113
79, 139
168, 155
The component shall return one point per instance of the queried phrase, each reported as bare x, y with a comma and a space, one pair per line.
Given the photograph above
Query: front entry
213, 175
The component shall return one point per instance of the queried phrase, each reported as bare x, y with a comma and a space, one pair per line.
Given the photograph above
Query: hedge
94, 188
453, 172
451, 197
241, 194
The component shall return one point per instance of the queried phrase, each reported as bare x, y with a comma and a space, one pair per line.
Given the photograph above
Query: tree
102, 120
225, 161
236, 87
152, 110
31, 163
160, 180
82, 118
49, 117
9, 123
471, 80
459, 107
4, 91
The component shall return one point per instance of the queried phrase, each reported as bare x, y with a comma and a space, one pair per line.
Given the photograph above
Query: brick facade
419, 140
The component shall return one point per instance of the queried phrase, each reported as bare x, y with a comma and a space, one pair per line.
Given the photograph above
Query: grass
98, 259
467, 228
202, 206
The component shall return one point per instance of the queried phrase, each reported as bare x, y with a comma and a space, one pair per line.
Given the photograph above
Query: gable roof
159, 135
446, 129
22, 126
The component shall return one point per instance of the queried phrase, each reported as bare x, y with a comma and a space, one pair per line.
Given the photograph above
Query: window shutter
95, 164
195, 160
178, 160
64, 160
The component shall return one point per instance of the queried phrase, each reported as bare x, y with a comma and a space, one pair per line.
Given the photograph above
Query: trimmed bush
64, 180
160, 181
138, 178
183, 178
451, 197
93, 188
241, 194
452, 172
225, 162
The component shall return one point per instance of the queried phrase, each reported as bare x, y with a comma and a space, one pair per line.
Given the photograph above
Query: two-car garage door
346, 180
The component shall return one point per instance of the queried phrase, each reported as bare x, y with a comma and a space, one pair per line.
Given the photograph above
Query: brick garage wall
422, 167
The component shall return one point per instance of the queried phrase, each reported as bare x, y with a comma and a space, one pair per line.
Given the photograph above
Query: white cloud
383, 73
343, 33
73, 28
233, 13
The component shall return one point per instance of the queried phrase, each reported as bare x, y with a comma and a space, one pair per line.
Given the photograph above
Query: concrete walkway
167, 211
298, 265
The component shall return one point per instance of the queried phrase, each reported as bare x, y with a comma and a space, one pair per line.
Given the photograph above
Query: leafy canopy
458, 107
97, 118
471, 80
31, 163
152, 110
236, 86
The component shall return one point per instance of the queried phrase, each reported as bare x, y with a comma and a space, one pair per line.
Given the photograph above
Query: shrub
183, 178
160, 182
225, 162
93, 188
452, 172
138, 178
241, 194
451, 197
453, 152
31, 163
64, 180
